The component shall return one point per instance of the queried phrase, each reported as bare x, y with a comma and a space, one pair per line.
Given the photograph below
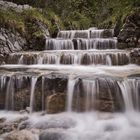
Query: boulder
135, 56
8, 126
56, 103
10, 5
130, 32
21, 135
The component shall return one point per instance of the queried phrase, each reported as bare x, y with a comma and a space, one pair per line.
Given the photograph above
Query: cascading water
59, 44
130, 91
74, 34
123, 90
43, 93
71, 84
80, 71
33, 83
81, 44
91, 33
93, 57
90, 91
9, 104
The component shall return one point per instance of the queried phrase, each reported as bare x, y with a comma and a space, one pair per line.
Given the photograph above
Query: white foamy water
33, 83
93, 57
121, 71
86, 126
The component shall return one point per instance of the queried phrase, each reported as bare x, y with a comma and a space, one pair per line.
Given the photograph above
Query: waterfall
33, 83
9, 103
47, 58
74, 34
21, 60
59, 44
81, 44
108, 60
70, 92
2, 81
89, 55
77, 57
126, 90
90, 93
91, 33
82, 76
97, 33
130, 91
43, 93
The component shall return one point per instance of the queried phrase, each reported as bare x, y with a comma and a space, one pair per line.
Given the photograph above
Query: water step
118, 71
79, 88
81, 44
76, 57
91, 33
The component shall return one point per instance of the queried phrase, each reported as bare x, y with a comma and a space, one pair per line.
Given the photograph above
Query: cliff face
130, 32
22, 27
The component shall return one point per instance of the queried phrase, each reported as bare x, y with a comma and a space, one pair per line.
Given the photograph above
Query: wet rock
1, 59
2, 120
10, 42
28, 109
21, 135
56, 103
130, 32
135, 56
55, 134
55, 27
10, 5
85, 60
54, 122
117, 27
8, 126
107, 33
104, 105
121, 45
23, 111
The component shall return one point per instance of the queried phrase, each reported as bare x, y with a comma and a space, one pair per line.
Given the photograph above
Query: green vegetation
23, 21
81, 14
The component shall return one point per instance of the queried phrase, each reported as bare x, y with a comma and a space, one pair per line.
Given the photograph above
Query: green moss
12, 20
38, 34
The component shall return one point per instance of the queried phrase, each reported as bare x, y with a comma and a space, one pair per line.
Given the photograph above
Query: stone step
50, 87
81, 44
118, 71
90, 33
76, 57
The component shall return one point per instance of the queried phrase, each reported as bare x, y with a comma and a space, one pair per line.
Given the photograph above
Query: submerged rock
55, 134
21, 135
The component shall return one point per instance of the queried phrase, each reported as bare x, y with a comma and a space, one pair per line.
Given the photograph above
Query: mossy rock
122, 46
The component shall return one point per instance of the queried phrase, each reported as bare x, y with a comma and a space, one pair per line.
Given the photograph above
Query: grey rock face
130, 33
21, 135
135, 56
10, 42
18, 8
